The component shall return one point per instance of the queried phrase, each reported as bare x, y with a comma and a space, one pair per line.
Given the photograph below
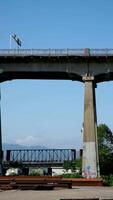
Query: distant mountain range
7, 146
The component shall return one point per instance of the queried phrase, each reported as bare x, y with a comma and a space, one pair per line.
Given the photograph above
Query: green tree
105, 147
67, 165
73, 165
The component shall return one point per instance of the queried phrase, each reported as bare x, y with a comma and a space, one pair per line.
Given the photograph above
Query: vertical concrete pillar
1, 153
90, 164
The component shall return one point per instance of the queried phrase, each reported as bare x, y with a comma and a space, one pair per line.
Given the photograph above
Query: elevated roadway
68, 64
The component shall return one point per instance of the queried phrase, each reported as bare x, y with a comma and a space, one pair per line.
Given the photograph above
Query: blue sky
50, 113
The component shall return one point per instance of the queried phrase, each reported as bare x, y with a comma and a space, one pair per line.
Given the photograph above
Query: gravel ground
57, 194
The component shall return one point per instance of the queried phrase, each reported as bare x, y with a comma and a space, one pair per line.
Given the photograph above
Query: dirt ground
57, 194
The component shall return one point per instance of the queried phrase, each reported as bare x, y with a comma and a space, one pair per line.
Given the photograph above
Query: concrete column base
89, 160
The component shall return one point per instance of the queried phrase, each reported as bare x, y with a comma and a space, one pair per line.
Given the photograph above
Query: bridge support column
1, 152
90, 164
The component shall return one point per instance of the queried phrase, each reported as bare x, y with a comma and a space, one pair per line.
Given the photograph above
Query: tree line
105, 148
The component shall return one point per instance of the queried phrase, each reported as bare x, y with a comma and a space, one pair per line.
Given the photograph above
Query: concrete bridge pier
90, 164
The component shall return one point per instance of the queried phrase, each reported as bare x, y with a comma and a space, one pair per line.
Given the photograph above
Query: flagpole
10, 41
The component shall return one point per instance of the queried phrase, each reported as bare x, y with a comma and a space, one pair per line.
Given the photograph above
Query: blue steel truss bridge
38, 157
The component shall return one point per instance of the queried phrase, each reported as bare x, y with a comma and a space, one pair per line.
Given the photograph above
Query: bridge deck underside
56, 67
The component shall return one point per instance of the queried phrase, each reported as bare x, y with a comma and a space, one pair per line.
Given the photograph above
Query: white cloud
49, 142
28, 140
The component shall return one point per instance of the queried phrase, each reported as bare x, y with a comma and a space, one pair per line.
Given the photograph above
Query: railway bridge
89, 66
38, 157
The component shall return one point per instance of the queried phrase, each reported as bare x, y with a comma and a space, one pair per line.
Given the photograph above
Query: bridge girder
56, 67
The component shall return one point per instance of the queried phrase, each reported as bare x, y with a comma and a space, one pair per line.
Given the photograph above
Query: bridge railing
41, 52
101, 52
56, 52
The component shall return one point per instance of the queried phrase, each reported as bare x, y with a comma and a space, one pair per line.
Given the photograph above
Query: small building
59, 171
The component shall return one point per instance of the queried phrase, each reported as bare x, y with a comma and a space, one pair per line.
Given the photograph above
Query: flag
14, 36
17, 40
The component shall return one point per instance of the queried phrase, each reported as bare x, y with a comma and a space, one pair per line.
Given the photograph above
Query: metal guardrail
56, 52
